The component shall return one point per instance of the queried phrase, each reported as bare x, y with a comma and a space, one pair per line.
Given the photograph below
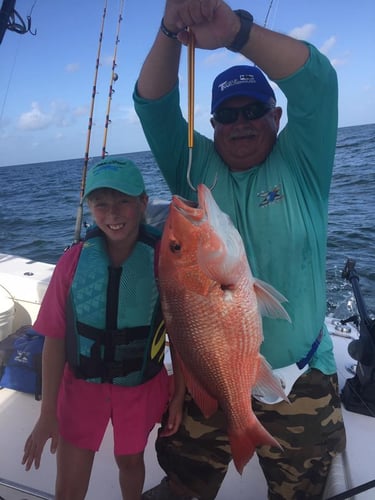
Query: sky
47, 79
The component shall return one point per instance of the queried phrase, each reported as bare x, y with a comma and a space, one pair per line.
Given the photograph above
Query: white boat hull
25, 282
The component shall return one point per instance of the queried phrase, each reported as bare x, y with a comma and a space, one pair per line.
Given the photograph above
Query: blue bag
21, 361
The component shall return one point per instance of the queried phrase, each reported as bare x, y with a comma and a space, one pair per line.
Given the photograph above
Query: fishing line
266, 23
268, 13
114, 78
12, 26
77, 230
9, 83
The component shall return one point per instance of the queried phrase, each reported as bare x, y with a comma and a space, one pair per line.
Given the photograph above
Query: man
275, 189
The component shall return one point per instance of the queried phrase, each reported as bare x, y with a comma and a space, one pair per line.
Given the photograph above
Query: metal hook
188, 174
191, 67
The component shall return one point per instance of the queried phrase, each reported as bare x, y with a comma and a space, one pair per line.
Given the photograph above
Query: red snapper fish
212, 307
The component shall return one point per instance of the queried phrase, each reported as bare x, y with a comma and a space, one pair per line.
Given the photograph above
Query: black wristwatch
242, 36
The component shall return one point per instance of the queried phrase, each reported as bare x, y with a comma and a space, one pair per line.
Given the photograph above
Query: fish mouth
190, 210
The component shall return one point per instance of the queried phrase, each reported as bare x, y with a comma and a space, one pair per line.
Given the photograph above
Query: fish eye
174, 246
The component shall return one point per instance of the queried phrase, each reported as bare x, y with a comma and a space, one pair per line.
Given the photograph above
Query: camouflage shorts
310, 430
197, 456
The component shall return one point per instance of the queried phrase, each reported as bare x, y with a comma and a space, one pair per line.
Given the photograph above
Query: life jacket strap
89, 368
116, 337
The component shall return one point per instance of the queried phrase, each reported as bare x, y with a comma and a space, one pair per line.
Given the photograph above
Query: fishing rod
77, 230
363, 349
358, 394
114, 78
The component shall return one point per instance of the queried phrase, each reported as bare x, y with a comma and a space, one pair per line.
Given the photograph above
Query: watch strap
246, 20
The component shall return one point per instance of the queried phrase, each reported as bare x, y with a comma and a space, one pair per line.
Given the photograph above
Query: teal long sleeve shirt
280, 207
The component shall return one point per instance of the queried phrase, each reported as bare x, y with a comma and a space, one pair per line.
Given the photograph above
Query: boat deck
19, 411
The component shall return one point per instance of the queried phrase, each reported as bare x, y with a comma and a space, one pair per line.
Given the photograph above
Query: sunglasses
251, 111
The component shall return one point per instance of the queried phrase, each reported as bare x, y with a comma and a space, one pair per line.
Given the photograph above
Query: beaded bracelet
165, 30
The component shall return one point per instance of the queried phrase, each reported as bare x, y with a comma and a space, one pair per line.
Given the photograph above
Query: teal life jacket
115, 329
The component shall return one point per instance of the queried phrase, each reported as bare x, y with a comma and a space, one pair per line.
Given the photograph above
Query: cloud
4, 123
216, 57
130, 115
72, 68
81, 111
34, 119
303, 32
107, 60
328, 44
60, 114
223, 58
337, 62
368, 87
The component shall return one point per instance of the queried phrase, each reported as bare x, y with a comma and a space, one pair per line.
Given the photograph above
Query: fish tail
243, 443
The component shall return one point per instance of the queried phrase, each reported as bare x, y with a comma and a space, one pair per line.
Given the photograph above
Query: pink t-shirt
51, 320
85, 408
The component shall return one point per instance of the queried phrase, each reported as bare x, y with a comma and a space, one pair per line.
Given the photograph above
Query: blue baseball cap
115, 173
241, 81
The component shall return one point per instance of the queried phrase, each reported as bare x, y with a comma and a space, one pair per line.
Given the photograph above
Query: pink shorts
85, 408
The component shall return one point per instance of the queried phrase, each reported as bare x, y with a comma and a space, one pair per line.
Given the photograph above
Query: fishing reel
12, 21
358, 394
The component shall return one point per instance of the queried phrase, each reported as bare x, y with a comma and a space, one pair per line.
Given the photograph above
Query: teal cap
115, 173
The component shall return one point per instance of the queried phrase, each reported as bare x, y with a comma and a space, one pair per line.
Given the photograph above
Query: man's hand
212, 22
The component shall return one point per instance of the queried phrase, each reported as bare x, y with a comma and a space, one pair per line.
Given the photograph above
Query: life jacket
115, 329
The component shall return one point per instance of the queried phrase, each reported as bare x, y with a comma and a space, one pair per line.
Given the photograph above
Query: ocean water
39, 203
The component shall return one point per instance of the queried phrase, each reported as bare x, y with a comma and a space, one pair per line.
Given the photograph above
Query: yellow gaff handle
191, 78
191, 66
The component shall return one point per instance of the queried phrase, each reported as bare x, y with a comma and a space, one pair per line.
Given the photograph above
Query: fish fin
205, 402
268, 385
221, 254
269, 300
223, 247
243, 443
